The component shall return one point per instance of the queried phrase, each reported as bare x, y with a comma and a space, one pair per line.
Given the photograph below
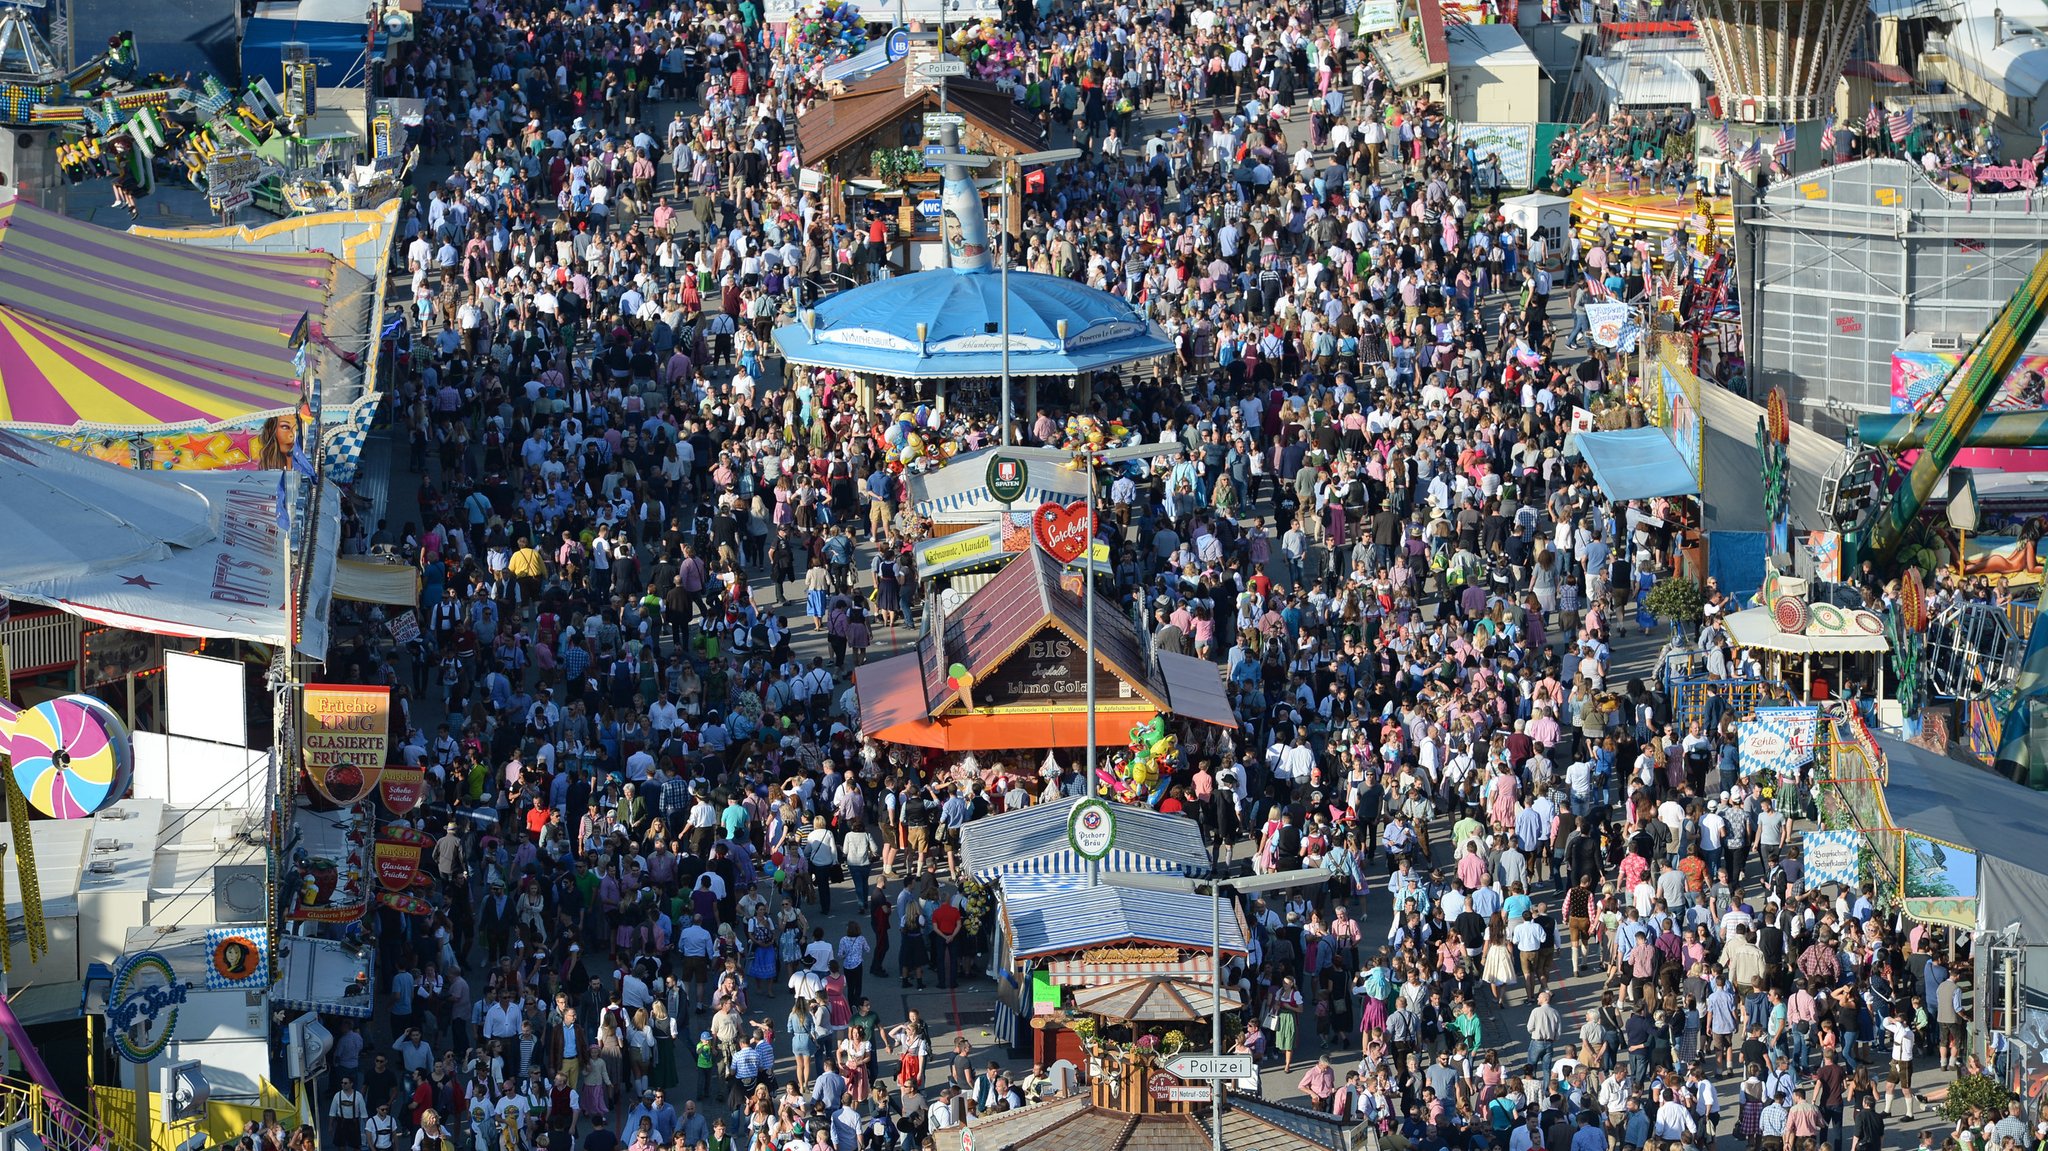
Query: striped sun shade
109, 331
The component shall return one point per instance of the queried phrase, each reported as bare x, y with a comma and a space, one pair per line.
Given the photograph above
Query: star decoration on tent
141, 581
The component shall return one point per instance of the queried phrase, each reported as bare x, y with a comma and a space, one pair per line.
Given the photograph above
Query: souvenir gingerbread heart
1063, 530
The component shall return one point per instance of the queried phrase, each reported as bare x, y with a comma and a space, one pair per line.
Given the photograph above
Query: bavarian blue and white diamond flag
1778, 739
237, 957
1831, 857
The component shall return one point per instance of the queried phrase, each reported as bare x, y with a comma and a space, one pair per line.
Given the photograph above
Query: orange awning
1010, 731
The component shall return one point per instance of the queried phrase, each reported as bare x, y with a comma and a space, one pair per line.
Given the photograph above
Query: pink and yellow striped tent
107, 331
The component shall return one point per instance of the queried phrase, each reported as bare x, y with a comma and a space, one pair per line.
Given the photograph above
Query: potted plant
1980, 1093
1677, 600
895, 165
1085, 1028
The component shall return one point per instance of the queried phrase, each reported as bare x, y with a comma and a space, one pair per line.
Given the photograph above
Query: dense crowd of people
672, 873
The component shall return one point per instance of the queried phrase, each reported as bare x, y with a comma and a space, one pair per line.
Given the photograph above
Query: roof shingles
1019, 603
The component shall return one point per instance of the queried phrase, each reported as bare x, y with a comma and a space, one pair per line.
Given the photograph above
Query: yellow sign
955, 550
971, 546
347, 737
1813, 191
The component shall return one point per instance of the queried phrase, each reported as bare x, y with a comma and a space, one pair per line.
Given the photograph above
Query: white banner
1607, 318
1514, 145
1378, 16
1831, 857
228, 587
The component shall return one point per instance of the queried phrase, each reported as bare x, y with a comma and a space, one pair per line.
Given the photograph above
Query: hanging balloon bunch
1140, 773
988, 50
1086, 433
917, 441
832, 31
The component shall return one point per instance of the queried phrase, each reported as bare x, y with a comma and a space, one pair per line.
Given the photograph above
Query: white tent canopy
1734, 490
200, 555
66, 513
1757, 627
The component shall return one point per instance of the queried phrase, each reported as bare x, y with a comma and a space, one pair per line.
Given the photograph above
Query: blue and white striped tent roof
1032, 841
959, 491
1023, 886
1060, 921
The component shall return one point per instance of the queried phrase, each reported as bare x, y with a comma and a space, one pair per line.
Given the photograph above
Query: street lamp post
1215, 888
1089, 460
1013, 172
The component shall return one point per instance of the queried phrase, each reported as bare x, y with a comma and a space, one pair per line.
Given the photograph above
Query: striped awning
1019, 886
960, 489
1057, 922
1006, 1023
1032, 841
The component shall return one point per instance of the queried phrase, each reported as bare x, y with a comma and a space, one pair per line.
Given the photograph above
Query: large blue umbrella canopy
874, 328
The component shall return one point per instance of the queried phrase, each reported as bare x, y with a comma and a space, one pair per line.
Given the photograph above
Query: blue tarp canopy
1637, 464
1057, 327
339, 45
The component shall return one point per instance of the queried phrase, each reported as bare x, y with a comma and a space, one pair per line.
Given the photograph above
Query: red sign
396, 862
1063, 530
402, 788
407, 904
1162, 1084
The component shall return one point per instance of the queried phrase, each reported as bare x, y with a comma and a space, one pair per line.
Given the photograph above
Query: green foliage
896, 163
1981, 1093
1677, 600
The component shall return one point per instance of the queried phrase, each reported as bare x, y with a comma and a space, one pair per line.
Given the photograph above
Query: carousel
946, 334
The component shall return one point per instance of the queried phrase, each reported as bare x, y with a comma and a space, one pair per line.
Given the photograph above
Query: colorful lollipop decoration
72, 756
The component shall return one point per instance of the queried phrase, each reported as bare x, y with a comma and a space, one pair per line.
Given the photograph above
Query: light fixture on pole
1089, 461
1963, 512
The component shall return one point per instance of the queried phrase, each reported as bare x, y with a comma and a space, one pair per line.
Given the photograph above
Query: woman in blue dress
762, 960
801, 1042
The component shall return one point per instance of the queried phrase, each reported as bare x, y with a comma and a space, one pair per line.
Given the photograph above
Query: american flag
1874, 122
1751, 159
1827, 138
1782, 150
1899, 123
1721, 142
